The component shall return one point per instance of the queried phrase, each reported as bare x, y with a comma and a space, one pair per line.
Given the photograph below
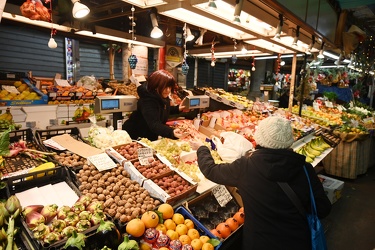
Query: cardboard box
332, 187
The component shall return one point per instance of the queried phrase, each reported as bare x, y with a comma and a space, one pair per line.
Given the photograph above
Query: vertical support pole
292, 82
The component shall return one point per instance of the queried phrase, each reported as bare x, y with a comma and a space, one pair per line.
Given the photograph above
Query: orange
207, 246
196, 244
178, 218
181, 229
135, 227
144, 246
189, 223
173, 235
204, 238
162, 228
184, 239
193, 233
164, 248
150, 219
170, 224
167, 210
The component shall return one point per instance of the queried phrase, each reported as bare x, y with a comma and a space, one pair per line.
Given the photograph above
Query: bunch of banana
78, 112
7, 115
313, 148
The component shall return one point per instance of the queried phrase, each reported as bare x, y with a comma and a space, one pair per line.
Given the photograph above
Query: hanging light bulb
156, 31
52, 43
308, 51
279, 28
188, 35
237, 11
79, 10
253, 68
295, 40
321, 56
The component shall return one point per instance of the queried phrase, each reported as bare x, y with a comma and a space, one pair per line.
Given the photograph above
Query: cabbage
102, 138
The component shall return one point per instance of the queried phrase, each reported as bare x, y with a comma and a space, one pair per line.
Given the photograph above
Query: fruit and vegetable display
169, 228
19, 154
221, 95
314, 148
129, 151
102, 137
10, 210
70, 226
22, 91
123, 199
152, 169
222, 221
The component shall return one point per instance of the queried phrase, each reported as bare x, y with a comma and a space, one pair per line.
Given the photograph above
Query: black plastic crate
74, 132
45, 134
21, 163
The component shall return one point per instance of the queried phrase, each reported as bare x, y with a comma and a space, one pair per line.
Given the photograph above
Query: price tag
144, 154
222, 195
11, 89
102, 161
316, 106
328, 104
368, 120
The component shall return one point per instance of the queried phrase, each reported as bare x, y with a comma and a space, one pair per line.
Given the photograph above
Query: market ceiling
114, 14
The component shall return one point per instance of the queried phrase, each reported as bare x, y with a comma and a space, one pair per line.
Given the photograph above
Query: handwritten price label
144, 154
222, 195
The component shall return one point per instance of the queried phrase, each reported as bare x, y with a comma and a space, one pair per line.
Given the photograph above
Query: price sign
102, 161
329, 104
222, 195
144, 154
316, 106
11, 89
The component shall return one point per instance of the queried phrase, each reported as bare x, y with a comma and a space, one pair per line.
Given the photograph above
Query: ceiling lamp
279, 27
156, 32
237, 11
79, 10
308, 51
188, 35
295, 39
321, 56
211, 5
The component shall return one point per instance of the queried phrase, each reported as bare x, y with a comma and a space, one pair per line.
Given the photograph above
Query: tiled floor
351, 223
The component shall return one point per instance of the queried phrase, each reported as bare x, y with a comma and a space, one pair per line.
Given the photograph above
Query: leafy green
4, 142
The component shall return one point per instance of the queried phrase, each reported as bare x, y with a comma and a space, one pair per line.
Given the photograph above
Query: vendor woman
153, 109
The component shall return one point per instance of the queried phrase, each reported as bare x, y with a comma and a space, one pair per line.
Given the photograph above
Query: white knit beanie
274, 132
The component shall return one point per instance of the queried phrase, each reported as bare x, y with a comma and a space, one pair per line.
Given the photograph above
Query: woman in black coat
153, 109
271, 219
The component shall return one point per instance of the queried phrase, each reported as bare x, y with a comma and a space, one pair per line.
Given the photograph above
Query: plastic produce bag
233, 147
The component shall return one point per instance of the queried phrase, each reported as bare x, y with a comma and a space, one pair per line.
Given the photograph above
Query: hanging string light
52, 43
213, 59
185, 66
132, 58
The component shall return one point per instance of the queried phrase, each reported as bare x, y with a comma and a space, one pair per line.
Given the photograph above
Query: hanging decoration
35, 10
278, 60
133, 60
185, 66
52, 43
199, 41
213, 59
234, 57
253, 64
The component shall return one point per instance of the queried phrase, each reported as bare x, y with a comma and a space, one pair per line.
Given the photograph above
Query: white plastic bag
234, 146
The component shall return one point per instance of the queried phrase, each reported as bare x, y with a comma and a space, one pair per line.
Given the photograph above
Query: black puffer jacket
271, 219
149, 120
